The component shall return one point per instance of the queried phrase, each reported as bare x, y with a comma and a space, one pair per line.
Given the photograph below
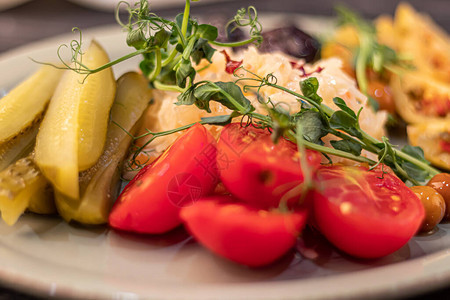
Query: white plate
111, 5
47, 257
6, 4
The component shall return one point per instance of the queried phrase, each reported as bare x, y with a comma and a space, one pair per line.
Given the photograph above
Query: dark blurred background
37, 19
27, 21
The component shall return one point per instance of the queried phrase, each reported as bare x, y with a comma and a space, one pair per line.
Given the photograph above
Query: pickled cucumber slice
94, 109
22, 185
24, 105
18, 147
99, 184
73, 132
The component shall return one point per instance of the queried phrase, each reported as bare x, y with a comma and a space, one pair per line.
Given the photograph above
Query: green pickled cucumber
100, 184
22, 186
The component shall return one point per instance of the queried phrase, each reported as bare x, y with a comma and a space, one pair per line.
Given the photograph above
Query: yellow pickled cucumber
99, 184
22, 184
73, 132
25, 104
94, 109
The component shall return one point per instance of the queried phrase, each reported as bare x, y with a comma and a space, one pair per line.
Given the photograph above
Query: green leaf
343, 106
189, 48
136, 38
280, 116
179, 48
207, 32
184, 71
415, 152
414, 171
347, 146
201, 50
383, 55
187, 97
220, 120
227, 93
160, 39
341, 120
309, 88
148, 63
313, 126
176, 29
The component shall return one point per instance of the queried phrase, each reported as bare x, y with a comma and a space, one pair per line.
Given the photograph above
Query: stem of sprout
367, 139
169, 59
157, 69
361, 62
166, 87
186, 13
235, 44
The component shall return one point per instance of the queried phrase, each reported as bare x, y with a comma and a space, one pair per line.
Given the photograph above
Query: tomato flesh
240, 232
256, 170
364, 213
186, 171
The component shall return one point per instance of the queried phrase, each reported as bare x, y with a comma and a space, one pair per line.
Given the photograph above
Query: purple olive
291, 41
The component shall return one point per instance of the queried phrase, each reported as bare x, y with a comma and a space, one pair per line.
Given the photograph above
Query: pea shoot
169, 48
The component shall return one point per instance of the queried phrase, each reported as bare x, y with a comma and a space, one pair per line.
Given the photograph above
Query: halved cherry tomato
365, 213
186, 171
242, 233
382, 94
256, 170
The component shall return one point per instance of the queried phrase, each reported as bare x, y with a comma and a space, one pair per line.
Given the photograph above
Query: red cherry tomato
365, 213
186, 171
256, 170
242, 233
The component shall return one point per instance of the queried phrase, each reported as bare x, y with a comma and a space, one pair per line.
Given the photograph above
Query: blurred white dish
110, 5
6, 4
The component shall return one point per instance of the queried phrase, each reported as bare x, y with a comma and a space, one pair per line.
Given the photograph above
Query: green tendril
244, 18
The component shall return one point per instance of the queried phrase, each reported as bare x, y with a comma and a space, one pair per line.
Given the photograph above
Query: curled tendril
117, 13
141, 19
247, 17
135, 164
246, 121
76, 57
270, 78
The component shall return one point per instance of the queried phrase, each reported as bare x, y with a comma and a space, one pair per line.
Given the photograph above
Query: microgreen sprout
370, 54
170, 48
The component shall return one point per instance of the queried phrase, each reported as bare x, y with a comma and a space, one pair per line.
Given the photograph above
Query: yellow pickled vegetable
25, 104
22, 185
99, 184
73, 133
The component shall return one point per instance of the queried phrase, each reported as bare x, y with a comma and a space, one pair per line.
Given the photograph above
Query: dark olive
441, 183
434, 206
291, 41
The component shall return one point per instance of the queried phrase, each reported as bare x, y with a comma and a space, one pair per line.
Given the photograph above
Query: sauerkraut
165, 115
